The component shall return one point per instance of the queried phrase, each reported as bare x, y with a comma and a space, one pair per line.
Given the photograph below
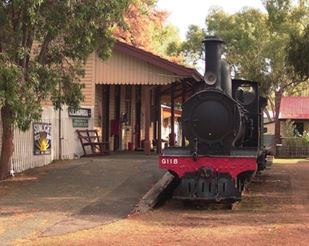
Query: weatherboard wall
23, 157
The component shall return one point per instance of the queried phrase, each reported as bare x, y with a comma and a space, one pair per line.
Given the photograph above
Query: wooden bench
90, 138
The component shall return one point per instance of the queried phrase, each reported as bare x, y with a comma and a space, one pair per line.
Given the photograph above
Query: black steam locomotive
223, 124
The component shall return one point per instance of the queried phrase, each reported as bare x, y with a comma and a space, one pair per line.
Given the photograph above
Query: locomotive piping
194, 154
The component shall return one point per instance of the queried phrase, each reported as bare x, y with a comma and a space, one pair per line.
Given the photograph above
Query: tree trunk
278, 96
7, 142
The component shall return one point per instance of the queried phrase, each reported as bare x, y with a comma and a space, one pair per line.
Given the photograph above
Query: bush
292, 137
306, 137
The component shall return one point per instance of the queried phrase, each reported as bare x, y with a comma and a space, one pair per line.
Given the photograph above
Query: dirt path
275, 211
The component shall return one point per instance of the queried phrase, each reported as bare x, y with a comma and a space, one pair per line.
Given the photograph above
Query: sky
186, 12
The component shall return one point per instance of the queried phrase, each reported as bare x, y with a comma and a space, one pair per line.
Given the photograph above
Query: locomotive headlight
210, 78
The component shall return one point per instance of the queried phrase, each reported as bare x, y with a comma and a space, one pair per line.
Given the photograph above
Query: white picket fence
23, 157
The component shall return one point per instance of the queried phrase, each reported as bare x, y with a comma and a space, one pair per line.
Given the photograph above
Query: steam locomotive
222, 121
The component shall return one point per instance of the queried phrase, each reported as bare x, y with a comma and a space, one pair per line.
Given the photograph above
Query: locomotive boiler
222, 122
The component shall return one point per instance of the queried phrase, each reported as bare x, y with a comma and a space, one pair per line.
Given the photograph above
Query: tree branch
25, 28
267, 114
44, 49
297, 82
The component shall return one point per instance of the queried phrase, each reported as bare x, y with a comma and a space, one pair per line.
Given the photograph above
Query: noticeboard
80, 122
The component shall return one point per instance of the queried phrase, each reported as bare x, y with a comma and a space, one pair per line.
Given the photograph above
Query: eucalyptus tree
298, 53
256, 45
43, 45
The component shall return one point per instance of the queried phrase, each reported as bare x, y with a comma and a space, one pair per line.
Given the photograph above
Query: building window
299, 128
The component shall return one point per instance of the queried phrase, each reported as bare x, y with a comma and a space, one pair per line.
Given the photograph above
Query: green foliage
246, 35
43, 46
298, 53
256, 42
192, 48
292, 137
289, 129
163, 38
306, 137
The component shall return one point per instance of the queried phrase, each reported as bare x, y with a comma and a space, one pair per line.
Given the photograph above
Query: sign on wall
80, 117
42, 138
80, 112
80, 123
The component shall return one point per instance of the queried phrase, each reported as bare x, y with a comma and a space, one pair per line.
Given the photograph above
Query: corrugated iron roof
158, 61
294, 107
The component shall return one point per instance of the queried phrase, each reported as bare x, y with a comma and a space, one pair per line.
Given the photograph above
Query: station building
123, 98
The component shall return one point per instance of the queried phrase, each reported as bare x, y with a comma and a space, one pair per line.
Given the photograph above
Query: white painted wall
23, 157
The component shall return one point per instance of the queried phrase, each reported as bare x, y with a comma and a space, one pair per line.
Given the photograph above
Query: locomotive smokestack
217, 71
213, 52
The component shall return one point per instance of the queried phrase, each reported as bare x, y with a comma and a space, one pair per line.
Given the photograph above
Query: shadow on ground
74, 195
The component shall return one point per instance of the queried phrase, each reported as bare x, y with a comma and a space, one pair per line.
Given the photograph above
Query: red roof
295, 107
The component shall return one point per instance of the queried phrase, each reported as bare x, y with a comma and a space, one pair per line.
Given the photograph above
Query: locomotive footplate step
216, 188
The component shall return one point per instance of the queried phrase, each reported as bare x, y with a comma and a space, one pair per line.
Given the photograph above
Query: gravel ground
274, 211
